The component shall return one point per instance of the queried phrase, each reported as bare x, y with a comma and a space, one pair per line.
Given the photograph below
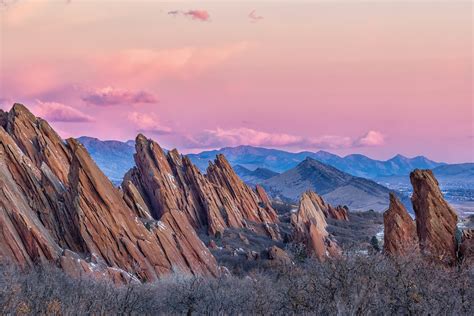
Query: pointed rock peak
222, 161
174, 155
399, 229
141, 138
19, 109
436, 221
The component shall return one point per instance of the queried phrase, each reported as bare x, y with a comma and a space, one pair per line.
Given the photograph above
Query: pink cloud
145, 65
372, 138
201, 15
113, 96
58, 112
220, 137
244, 136
148, 123
254, 17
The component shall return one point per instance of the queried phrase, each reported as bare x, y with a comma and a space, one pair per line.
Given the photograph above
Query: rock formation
435, 219
399, 229
57, 206
163, 182
338, 212
309, 227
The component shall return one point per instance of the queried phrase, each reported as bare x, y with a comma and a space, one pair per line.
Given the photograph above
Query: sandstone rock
309, 227
221, 174
399, 229
435, 219
278, 255
57, 206
164, 182
339, 212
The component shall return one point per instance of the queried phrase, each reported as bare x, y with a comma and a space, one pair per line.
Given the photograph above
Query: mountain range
275, 168
279, 161
112, 155
335, 186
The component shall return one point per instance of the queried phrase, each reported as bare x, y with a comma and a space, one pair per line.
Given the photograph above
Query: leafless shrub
353, 285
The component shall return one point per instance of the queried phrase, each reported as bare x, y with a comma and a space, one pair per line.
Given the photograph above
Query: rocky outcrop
309, 227
220, 173
435, 219
400, 236
338, 212
163, 182
57, 206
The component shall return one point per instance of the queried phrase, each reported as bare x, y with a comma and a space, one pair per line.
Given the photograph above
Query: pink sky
377, 78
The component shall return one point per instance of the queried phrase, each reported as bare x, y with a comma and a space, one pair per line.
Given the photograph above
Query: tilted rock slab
163, 182
436, 220
57, 206
309, 227
400, 237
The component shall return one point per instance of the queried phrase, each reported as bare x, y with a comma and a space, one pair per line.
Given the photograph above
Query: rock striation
162, 182
58, 207
400, 236
309, 227
436, 220
338, 212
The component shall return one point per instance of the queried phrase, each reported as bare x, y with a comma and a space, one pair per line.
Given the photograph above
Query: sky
378, 78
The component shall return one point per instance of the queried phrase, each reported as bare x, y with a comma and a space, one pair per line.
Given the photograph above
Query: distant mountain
254, 177
113, 157
280, 161
252, 158
455, 172
336, 186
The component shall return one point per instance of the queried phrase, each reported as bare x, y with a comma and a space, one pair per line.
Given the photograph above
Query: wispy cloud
254, 17
220, 137
200, 15
148, 123
113, 96
58, 112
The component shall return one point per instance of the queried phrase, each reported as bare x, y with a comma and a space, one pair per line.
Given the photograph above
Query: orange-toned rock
221, 174
400, 236
339, 212
435, 219
309, 227
57, 206
163, 182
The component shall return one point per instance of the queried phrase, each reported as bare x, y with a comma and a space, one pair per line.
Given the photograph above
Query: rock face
163, 182
435, 220
57, 206
309, 227
399, 229
338, 212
